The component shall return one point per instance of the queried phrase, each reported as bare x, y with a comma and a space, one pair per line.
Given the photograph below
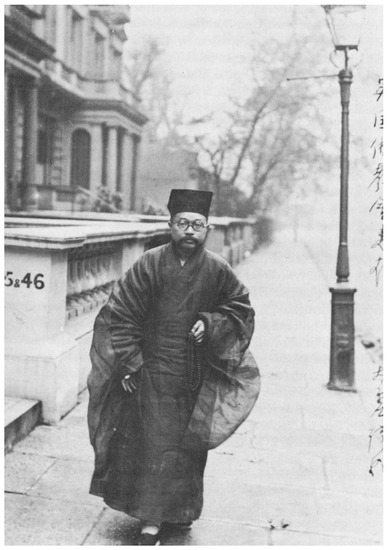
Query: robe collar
193, 260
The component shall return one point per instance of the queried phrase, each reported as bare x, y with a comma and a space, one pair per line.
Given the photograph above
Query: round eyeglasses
184, 224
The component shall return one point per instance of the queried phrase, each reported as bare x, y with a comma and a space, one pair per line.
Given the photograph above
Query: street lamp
344, 22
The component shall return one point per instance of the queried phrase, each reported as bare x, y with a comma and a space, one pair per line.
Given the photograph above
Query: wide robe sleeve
116, 350
231, 381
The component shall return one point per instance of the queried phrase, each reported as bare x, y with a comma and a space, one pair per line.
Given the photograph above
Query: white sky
207, 47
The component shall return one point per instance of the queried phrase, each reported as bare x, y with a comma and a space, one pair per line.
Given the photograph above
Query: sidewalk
296, 472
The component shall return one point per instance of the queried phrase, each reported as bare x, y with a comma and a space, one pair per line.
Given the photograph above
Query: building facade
72, 127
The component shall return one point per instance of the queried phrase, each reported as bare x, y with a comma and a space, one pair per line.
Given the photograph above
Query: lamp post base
342, 341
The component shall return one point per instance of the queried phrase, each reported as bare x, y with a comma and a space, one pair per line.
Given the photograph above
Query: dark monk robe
151, 446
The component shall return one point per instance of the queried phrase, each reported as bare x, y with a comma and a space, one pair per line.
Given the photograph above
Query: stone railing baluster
91, 275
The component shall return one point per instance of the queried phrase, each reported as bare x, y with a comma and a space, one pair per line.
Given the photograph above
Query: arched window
81, 159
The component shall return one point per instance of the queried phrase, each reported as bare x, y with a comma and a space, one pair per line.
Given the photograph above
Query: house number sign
35, 280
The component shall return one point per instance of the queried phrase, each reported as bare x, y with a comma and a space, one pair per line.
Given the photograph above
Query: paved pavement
295, 473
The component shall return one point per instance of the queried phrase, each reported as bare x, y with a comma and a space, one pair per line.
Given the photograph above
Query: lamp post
344, 22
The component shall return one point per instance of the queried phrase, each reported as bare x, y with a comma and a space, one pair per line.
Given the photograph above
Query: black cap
189, 200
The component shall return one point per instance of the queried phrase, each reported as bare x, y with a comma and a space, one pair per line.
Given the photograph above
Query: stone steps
20, 418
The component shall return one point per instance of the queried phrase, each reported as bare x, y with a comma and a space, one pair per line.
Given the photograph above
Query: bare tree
271, 141
153, 87
216, 158
140, 64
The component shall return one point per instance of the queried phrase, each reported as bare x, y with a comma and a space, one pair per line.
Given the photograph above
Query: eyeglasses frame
190, 224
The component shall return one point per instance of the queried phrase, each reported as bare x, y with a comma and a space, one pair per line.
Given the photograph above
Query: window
105, 153
45, 145
119, 160
98, 52
50, 13
74, 40
80, 159
115, 64
134, 168
43, 153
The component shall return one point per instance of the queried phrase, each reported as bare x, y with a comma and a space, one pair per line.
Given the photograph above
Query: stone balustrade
91, 275
58, 273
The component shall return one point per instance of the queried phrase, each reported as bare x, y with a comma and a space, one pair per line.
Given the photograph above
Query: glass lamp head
345, 24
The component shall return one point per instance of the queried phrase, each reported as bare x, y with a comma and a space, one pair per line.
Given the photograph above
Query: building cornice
85, 103
113, 16
116, 105
30, 12
25, 41
17, 60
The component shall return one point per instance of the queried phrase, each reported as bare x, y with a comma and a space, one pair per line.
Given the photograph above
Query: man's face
188, 239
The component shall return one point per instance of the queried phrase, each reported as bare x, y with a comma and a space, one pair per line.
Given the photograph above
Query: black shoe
146, 539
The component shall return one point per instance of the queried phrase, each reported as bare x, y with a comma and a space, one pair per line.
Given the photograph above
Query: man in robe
172, 376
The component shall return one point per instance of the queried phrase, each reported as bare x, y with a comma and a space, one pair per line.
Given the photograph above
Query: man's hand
198, 331
128, 384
